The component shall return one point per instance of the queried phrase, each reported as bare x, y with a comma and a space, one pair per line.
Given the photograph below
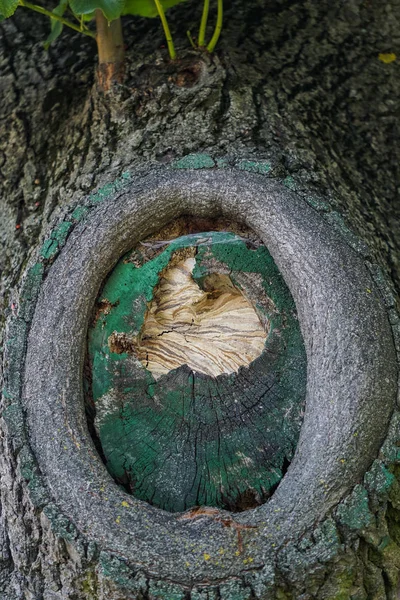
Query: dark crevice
90, 408
386, 582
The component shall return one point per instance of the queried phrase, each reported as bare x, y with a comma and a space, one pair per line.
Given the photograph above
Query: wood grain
213, 330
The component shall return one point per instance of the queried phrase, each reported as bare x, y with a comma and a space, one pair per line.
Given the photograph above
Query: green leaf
112, 9
56, 26
147, 8
7, 8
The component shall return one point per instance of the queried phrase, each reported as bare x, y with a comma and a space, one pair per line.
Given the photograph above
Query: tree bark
297, 84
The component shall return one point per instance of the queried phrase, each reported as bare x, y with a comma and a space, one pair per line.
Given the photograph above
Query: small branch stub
110, 46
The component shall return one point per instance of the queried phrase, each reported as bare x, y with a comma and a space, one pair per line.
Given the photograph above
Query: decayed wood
215, 330
196, 359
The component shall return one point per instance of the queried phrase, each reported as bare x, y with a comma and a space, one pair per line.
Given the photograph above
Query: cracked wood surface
213, 330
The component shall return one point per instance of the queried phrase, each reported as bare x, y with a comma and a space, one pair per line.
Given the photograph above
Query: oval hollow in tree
198, 370
351, 376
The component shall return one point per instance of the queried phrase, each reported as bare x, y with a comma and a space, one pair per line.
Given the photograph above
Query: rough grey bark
297, 82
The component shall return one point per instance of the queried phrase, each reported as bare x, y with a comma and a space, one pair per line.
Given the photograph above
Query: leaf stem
191, 40
203, 24
168, 36
62, 20
218, 27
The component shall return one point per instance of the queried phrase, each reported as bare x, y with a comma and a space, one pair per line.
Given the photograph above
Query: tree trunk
299, 90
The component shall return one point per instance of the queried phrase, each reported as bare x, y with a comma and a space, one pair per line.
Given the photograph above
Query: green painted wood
187, 439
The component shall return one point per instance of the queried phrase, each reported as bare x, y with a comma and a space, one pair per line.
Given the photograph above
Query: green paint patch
60, 524
56, 240
49, 249
160, 590
255, 166
194, 161
6, 394
185, 438
30, 291
38, 492
110, 188
26, 463
116, 570
354, 510
79, 213
337, 221
290, 183
317, 203
14, 418
378, 478
235, 590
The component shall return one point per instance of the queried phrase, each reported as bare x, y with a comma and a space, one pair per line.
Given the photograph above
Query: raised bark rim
222, 187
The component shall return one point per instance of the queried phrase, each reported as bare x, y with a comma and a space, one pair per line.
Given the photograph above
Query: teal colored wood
186, 439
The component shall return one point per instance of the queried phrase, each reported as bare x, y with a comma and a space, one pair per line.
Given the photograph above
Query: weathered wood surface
213, 330
199, 371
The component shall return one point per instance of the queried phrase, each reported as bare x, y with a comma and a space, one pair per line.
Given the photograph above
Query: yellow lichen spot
248, 560
342, 460
118, 520
102, 489
187, 564
221, 551
387, 57
206, 556
125, 504
369, 291
237, 553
